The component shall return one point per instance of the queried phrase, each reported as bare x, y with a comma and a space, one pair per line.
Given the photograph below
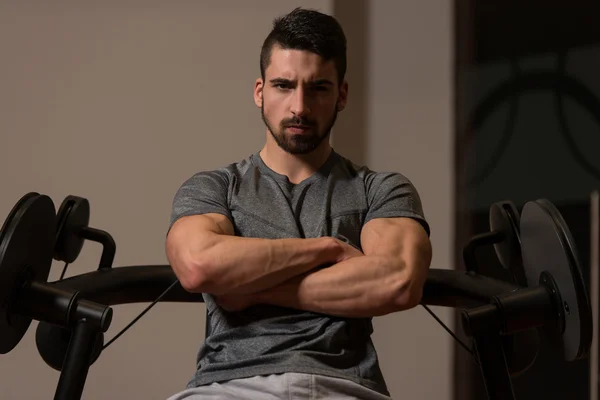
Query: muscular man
296, 248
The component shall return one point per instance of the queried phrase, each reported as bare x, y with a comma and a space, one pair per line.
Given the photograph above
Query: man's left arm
389, 277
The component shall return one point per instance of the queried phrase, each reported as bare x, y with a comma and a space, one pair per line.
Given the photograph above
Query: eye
319, 88
282, 86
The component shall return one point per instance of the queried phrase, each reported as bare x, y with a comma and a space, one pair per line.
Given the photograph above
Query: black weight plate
73, 215
53, 344
26, 245
547, 245
504, 217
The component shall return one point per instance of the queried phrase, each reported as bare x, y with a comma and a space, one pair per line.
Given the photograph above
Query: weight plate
504, 217
547, 245
73, 215
26, 245
53, 344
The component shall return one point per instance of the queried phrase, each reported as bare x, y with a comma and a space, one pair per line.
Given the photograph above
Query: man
296, 248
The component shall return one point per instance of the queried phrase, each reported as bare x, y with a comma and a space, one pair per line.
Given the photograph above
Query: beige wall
119, 102
410, 130
399, 118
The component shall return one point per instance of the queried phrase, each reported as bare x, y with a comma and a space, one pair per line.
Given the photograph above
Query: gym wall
405, 106
120, 102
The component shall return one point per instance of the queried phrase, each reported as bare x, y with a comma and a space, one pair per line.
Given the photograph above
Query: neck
297, 167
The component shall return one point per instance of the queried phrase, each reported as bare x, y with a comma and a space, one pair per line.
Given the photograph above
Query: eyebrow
322, 82
312, 83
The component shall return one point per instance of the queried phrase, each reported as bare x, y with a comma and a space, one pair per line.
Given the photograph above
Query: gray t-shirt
337, 200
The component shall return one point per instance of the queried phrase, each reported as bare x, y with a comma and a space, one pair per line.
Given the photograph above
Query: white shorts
288, 386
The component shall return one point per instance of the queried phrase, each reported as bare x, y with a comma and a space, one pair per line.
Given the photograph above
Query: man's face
299, 99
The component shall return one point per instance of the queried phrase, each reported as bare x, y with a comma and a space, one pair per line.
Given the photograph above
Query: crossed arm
389, 276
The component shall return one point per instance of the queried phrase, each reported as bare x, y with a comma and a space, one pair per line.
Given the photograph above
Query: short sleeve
203, 193
393, 195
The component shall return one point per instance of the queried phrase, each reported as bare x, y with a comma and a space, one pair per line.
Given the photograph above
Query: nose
299, 106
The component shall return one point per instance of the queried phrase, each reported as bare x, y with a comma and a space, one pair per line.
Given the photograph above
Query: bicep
402, 239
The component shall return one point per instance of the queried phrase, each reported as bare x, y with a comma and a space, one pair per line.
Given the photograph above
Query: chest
268, 208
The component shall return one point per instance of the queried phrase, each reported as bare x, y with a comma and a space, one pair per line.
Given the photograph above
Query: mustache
298, 121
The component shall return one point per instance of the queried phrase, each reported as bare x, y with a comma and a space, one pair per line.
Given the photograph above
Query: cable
141, 314
451, 333
177, 281
62, 275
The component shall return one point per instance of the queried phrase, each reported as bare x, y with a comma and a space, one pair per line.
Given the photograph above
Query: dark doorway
527, 112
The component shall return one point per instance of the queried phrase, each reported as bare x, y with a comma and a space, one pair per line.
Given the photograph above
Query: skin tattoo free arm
206, 256
389, 277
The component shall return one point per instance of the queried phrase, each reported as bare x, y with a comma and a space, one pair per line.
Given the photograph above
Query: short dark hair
310, 30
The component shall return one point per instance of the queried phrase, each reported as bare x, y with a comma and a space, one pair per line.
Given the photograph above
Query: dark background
527, 110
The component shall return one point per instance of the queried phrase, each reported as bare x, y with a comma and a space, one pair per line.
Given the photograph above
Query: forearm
236, 265
359, 287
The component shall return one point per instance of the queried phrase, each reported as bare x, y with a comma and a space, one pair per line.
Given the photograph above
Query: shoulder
218, 178
212, 187
209, 191
372, 179
389, 194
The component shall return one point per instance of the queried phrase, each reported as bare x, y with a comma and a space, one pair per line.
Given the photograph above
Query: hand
347, 251
235, 302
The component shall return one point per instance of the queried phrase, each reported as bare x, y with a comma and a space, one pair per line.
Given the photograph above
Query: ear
343, 96
258, 92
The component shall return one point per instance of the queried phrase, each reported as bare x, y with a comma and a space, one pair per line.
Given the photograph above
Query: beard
299, 143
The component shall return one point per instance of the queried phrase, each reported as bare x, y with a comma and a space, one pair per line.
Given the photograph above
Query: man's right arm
207, 257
